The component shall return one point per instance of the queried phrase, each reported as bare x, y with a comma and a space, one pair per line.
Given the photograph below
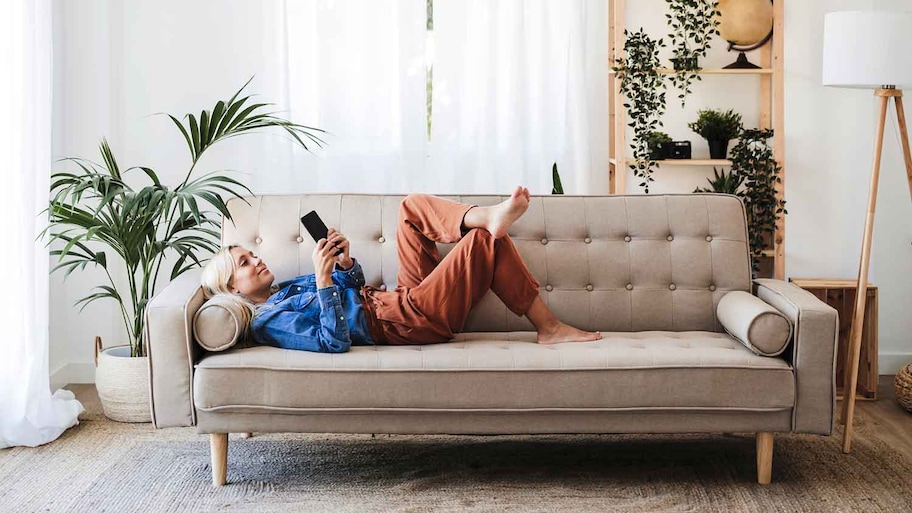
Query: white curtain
29, 414
355, 68
517, 86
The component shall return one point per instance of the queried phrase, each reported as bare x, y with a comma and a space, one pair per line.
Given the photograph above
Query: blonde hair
215, 280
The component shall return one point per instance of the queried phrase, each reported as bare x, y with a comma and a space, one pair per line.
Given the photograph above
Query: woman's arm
349, 278
294, 324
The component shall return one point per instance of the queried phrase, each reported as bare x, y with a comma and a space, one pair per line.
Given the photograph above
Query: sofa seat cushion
501, 371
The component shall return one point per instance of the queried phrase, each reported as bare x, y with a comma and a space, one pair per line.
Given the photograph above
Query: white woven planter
123, 383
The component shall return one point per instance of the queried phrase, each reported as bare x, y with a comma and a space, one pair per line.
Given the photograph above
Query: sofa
665, 278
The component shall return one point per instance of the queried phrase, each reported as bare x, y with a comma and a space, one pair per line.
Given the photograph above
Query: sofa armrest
172, 350
812, 352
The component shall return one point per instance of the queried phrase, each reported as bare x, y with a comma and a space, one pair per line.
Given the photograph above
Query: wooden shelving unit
771, 103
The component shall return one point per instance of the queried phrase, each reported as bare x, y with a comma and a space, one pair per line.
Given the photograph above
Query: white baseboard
73, 373
890, 363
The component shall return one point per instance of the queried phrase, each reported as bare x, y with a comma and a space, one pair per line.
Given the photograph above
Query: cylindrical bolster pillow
754, 323
218, 324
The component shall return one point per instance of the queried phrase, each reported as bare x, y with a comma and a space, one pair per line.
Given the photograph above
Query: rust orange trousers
433, 297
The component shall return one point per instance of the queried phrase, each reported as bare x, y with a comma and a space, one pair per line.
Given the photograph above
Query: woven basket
902, 383
123, 383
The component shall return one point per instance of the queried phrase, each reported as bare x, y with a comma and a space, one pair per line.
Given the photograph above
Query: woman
332, 309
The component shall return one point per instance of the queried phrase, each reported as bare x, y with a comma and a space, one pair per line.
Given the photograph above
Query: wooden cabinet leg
218, 450
764, 457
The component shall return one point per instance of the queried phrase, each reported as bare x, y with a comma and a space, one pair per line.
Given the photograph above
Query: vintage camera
677, 150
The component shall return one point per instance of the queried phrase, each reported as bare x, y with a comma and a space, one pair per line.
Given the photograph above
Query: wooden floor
890, 422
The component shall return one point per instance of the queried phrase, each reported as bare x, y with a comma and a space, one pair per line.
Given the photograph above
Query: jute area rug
101, 465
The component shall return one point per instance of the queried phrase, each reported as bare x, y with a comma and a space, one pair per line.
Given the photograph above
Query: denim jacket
328, 320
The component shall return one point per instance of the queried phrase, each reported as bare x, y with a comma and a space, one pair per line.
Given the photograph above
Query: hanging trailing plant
644, 91
692, 23
753, 159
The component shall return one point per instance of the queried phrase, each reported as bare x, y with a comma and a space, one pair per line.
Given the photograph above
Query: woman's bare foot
566, 333
504, 214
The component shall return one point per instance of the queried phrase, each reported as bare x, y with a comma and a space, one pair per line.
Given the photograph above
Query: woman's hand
324, 261
341, 242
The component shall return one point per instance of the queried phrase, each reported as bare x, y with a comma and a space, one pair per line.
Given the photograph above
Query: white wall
117, 63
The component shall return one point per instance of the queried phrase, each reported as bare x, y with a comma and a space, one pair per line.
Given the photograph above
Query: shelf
717, 71
770, 253
685, 162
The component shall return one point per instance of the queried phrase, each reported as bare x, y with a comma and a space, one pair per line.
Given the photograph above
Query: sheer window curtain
355, 68
517, 86
29, 414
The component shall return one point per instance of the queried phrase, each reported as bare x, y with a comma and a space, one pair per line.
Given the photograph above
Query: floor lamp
868, 50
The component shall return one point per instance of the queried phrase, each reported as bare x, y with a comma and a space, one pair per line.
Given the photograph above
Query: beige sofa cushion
652, 370
218, 324
754, 323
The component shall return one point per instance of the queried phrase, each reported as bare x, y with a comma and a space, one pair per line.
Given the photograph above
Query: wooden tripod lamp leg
904, 138
851, 376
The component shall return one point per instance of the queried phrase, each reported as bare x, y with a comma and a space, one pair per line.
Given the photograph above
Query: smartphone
316, 227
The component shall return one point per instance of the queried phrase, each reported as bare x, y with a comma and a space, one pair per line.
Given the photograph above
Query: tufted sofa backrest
609, 263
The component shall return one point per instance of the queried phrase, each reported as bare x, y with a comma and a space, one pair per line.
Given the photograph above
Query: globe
745, 23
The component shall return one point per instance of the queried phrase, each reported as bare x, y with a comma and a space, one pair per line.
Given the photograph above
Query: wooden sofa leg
218, 450
764, 457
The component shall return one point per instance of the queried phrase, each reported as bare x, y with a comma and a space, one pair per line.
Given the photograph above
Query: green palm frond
232, 118
95, 205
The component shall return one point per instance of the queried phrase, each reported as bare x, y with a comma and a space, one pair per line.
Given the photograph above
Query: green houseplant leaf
95, 205
644, 92
753, 159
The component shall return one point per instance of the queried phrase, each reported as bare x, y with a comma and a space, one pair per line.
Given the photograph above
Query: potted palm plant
718, 128
100, 218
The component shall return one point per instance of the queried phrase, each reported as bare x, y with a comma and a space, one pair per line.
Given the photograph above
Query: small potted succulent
718, 128
724, 183
655, 140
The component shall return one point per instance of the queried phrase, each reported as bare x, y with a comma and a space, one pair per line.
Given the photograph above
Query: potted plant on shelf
692, 23
644, 90
753, 159
656, 141
723, 183
718, 128
95, 206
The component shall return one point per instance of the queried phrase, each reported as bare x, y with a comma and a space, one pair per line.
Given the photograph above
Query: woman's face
251, 276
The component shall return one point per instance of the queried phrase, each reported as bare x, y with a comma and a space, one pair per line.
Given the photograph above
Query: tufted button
672, 286
709, 238
544, 241
549, 288
712, 287
300, 239
383, 286
670, 237
630, 286
589, 287
258, 240
587, 240
627, 238
381, 240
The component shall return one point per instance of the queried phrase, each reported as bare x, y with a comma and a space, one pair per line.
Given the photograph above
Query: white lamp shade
867, 49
